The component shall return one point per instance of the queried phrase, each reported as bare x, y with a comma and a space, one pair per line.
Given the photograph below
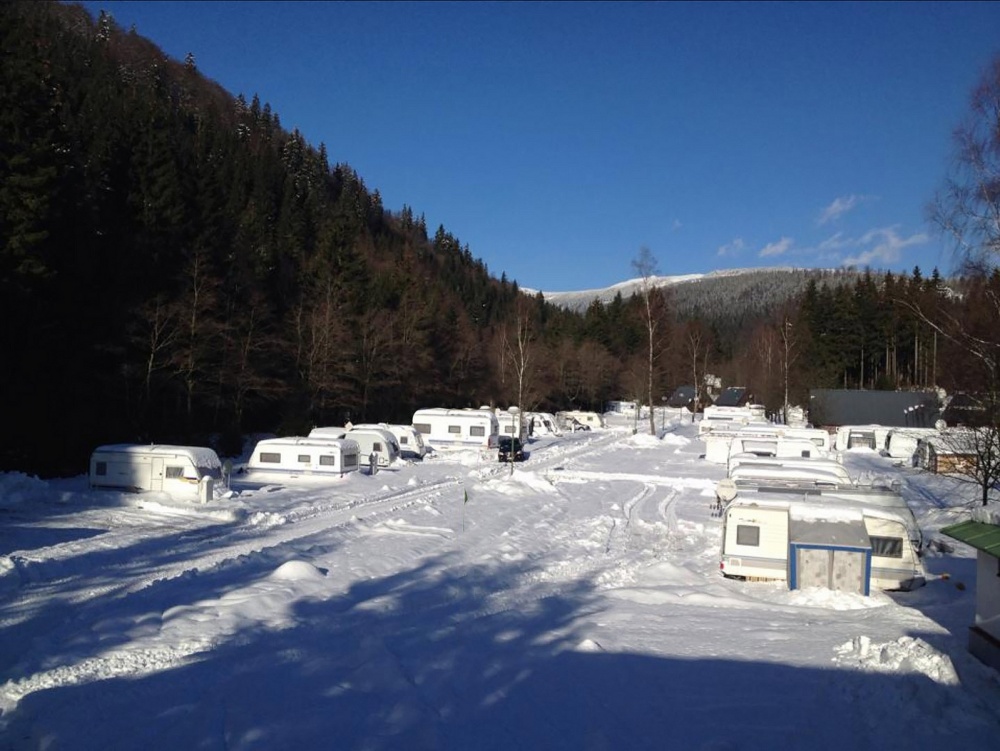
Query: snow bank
17, 488
297, 571
644, 441
905, 655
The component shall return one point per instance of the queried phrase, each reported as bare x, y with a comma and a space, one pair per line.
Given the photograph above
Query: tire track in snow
622, 530
241, 541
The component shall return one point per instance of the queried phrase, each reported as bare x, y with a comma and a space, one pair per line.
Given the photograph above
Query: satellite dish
940, 425
726, 490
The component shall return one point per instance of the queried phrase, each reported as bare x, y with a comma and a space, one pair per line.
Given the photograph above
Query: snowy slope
579, 301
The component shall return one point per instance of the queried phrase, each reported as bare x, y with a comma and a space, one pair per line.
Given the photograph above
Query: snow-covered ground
573, 602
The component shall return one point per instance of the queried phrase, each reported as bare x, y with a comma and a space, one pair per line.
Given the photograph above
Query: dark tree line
177, 267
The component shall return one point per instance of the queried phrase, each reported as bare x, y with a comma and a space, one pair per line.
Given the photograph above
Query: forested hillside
176, 267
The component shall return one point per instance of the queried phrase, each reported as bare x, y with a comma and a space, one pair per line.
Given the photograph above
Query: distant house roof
734, 396
981, 536
964, 409
682, 397
896, 409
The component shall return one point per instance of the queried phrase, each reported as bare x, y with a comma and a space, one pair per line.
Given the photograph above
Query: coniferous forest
177, 267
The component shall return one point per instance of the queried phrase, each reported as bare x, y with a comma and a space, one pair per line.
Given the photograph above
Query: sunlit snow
574, 602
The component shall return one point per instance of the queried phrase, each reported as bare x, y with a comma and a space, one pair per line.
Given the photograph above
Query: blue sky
558, 139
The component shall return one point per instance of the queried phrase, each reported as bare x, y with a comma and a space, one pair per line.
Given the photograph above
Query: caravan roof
201, 456
834, 474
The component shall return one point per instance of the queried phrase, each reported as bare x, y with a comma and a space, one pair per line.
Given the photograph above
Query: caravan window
747, 535
377, 447
174, 473
101, 469
350, 460
456, 429
422, 427
328, 461
404, 440
887, 547
477, 430
270, 457
304, 458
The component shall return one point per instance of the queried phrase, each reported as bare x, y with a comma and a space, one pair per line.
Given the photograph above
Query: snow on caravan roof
200, 455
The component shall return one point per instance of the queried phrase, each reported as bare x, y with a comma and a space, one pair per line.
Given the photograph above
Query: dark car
510, 449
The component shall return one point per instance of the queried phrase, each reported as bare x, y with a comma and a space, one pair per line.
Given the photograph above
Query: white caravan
778, 447
329, 432
715, 417
721, 444
719, 441
323, 457
791, 534
903, 442
511, 422
825, 464
377, 442
178, 470
542, 423
567, 419
751, 471
622, 408
457, 428
830, 472
411, 443
862, 436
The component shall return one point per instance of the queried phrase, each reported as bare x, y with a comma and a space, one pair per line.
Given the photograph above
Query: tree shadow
434, 658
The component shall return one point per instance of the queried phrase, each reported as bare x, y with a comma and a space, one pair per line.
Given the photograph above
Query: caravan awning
981, 536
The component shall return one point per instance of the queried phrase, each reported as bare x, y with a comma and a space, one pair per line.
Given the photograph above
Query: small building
734, 396
831, 408
947, 452
683, 397
833, 554
984, 633
964, 409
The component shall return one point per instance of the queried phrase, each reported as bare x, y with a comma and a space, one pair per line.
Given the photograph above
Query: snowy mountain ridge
580, 300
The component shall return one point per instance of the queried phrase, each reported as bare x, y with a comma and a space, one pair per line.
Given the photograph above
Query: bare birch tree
967, 210
646, 267
518, 352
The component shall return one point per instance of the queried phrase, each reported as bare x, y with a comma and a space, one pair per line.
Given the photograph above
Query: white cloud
836, 242
732, 248
839, 207
886, 247
776, 249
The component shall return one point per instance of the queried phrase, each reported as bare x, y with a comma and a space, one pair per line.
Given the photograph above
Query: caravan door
156, 478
